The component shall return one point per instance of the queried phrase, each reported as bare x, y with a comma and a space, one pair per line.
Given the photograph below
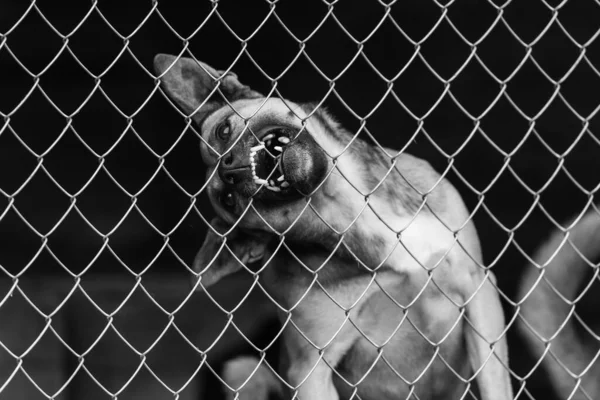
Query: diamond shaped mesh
104, 196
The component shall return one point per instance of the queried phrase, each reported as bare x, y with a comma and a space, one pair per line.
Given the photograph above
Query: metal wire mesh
103, 198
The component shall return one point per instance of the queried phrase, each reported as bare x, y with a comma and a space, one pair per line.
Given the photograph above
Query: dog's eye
223, 131
227, 200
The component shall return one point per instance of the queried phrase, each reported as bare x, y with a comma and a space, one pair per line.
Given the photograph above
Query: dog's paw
260, 386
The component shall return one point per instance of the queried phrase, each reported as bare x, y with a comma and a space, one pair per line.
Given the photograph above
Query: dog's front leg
311, 363
484, 335
311, 378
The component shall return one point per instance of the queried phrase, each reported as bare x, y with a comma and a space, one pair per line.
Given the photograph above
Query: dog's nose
234, 176
304, 164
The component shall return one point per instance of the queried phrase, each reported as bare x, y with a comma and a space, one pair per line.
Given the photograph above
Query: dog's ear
190, 84
221, 256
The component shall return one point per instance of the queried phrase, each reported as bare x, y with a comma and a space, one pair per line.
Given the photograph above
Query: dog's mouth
266, 160
285, 164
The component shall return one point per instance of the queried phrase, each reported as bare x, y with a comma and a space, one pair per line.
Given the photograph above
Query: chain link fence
104, 203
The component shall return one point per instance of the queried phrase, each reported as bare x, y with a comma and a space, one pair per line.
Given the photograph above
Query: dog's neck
301, 262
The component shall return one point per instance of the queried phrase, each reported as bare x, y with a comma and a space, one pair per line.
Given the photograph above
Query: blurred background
100, 179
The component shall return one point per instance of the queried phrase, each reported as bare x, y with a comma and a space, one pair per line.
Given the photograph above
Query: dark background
92, 155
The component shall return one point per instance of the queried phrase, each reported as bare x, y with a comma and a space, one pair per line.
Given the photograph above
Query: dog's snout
234, 176
228, 159
232, 169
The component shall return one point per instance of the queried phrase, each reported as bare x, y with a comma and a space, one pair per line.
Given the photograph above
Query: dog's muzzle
284, 164
304, 164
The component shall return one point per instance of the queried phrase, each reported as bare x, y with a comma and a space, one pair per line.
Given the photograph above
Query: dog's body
361, 212
377, 319
549, 298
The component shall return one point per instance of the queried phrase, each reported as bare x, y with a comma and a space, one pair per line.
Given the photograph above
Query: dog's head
254, 147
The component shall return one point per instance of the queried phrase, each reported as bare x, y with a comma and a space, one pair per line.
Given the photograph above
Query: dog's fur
563, 271
374, 309
353, 213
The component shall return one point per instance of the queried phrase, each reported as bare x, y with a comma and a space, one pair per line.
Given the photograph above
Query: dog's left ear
221, 256
190, 84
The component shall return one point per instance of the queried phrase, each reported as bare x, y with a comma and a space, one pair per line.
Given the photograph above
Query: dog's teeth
268, 142
281, 178
268, 137
284, 184
283, 139
273, 188
278, 148
257, 148
261, 181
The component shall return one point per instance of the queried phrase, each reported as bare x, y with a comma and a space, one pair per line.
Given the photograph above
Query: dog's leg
308, 371
252, 381
484, 334
318, 386
566, 268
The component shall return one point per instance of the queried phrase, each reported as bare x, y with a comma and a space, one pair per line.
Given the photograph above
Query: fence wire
104, 201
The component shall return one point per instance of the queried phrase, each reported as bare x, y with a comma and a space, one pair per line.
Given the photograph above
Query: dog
565, 266
322, 213
318, 311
